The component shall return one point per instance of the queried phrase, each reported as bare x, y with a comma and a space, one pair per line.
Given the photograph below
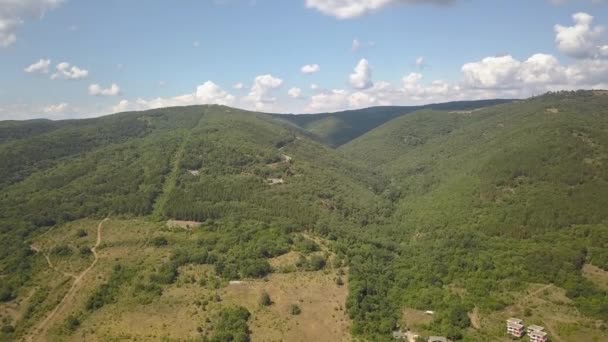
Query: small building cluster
536, 333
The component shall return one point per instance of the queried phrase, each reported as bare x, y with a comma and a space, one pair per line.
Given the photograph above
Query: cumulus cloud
59, 108
361, 78
122, 106
238, 85
42, 66
491, 72
14, 12
97, 90
583, 40
260, 91
207, 93
335, 99
294, 92
69, 72
310, 68
355, 45
346, 9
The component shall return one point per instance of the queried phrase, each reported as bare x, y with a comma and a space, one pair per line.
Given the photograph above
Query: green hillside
490, 200
465, 209
339, 128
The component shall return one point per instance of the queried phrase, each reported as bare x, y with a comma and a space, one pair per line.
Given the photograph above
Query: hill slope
339, 128
487, 201
456, 210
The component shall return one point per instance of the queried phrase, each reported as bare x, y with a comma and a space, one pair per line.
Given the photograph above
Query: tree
265, 299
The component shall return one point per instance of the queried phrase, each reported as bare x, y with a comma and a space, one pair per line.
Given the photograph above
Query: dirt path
51, 266
40, 332
534, 293
475, 319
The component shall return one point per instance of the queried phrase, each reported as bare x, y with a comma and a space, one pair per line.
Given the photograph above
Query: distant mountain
339, 128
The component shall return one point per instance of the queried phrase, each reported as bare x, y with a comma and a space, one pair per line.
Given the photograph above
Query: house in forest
537, 333
538, 336
534, 327
515, 327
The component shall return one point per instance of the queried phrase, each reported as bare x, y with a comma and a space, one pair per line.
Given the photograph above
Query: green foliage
232, 325
62, 250
72, 323
159, 241
486, 201
85, 250
294, 309
264, 299
339, 128
316, 263
109, 292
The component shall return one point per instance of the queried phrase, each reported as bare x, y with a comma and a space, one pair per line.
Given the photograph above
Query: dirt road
40, 332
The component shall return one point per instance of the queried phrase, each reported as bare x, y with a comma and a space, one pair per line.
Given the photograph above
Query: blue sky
81, 58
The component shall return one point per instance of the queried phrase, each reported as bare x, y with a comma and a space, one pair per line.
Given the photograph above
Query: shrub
81, 233
316, 263
265, 299
294, 309
159, 241
62, 250
72, 323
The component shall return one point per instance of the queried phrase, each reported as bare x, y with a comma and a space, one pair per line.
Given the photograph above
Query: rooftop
534, 327
514, 320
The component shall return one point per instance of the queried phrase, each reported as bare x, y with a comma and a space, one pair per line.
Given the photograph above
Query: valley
212, 223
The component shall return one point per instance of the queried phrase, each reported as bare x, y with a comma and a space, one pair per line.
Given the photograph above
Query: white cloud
122, 106
360, 99
211, 93
355, 45
581, 40
13, 12
314, 86
361, 78
260, 90
491, 72
59, 108
310, 68
97, 90
346, 9
207, 93
333, 100
294, 92
67, 72
42, 66
420, 63
238, 85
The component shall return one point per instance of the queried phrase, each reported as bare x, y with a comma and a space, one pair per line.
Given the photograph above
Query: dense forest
483, 196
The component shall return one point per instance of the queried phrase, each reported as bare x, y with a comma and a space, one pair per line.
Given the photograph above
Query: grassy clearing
184, 310
321, 301
597, 275
545, 305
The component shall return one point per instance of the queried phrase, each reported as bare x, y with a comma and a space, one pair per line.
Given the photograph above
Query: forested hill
512, 169
458, 207
338, 128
